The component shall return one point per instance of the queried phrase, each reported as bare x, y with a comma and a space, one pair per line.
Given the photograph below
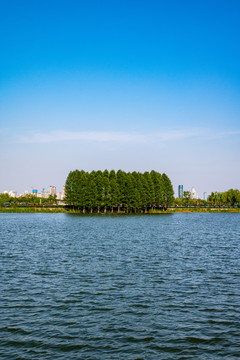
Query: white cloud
87, 136
105, 136
176, 134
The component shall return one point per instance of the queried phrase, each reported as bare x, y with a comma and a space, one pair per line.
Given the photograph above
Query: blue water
119, 287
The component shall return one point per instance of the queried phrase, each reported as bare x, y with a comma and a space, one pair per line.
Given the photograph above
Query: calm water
119, 287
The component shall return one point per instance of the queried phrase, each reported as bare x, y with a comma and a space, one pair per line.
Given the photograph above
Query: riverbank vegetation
28, 199
67, 210
120, 192
31, 209
117, 191
229, 198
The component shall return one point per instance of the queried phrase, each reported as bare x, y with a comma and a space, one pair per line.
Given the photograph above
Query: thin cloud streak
87, 136
94, 136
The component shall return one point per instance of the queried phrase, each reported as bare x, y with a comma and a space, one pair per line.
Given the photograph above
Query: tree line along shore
67, 210
121, 192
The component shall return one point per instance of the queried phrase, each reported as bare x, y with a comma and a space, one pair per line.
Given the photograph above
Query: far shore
62, 209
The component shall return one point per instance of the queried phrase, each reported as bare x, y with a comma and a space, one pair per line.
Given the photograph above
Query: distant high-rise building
180, 191
59, 195
194, 194
204, 196
52, 190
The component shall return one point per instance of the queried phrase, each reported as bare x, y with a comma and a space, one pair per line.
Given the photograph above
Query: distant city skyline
137, 86
53, 191
39, 193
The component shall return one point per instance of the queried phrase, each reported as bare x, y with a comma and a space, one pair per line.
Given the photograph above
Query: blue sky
136, 85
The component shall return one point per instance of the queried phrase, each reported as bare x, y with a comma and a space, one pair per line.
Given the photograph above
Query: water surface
119, 287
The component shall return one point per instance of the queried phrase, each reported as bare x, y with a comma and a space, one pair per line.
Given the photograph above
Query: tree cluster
230, 198
117, 191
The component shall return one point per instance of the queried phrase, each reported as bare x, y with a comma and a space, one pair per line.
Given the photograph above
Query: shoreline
53, 210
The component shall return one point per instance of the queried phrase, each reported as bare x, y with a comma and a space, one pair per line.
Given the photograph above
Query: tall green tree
99, 187
114, 191
167, 189
106, 190
121, 182
91, 192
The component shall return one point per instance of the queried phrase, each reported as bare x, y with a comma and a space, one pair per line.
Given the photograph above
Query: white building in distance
52, 190
11, 193
194, 194
59, 195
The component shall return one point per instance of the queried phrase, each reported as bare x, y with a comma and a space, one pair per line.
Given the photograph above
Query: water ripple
119, 287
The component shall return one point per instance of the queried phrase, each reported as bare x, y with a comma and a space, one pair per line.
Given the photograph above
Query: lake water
119, 287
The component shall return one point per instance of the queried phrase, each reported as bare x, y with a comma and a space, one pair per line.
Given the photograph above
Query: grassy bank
61, 209
200, 210
32, 209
